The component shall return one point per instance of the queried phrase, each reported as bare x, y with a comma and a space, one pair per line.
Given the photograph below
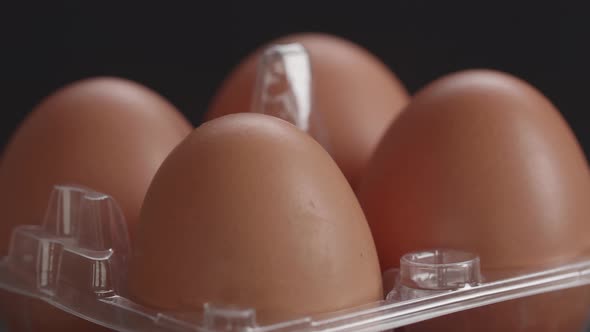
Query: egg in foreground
249, 211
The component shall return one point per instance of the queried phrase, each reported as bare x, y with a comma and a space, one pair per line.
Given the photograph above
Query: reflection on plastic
284, 89
76, 261
63, 210
283, 84
224, 318
435, 271
81, 231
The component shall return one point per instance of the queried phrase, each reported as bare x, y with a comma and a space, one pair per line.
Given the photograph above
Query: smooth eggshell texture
483, 162
250, 211
355, 94
107, 134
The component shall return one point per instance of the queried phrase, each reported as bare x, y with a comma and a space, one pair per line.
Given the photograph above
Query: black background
183, 51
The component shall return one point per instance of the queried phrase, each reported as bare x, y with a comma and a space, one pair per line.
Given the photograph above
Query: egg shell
483, 162
249, 211
355, 95
107, 134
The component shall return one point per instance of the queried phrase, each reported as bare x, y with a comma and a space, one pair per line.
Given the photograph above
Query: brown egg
479, 161
251, 212
482, 162
107, 134
355, 95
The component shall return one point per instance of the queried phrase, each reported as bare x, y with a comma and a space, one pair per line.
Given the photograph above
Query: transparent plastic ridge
283, 84
284, 88
76, 261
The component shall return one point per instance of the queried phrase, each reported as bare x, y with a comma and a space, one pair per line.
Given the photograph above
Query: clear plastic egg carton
77, 261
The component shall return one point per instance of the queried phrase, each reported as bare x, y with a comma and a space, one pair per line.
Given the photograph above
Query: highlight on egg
482, 162
109, 134
479, 160
249, 211
284, 220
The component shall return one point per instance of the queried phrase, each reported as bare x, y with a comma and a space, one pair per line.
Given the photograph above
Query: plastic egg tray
76, 260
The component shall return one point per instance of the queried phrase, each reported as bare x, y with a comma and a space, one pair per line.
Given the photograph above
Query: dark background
184, 51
